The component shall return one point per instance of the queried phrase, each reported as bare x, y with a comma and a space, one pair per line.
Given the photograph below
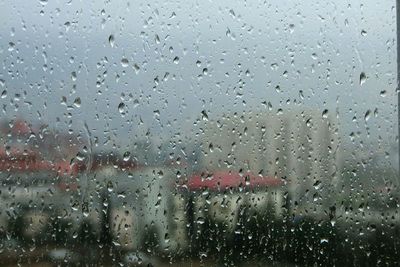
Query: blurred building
21, 136
300, 146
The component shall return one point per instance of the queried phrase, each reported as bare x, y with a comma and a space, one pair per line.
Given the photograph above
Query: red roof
30, 161
21, 127
221, 180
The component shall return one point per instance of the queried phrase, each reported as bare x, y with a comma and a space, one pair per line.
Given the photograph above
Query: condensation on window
202, 133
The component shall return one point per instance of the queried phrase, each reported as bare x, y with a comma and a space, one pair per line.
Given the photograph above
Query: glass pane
205, 133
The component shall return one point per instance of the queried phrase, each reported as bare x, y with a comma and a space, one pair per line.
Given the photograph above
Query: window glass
211, 133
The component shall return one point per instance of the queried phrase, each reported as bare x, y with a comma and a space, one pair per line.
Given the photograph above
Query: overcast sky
77, 61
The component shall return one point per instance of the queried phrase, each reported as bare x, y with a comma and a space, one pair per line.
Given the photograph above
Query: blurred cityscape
199, 133
252, 187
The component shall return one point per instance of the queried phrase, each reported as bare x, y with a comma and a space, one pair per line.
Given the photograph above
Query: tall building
300, 146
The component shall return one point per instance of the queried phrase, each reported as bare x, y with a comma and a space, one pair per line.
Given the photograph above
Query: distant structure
20, 136
300, 146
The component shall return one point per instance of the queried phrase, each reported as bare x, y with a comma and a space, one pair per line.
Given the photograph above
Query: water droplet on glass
274, 66
124, 62
11, 46
77, 102
301, 94
363, 32
200, 220
136, 68
80, 156
363, 78
314, 56
67, 26
110, 187
204, 115
367, 115
73, 76
157, 39
121, 108
111, 40
291, 28
176, 60
325, 113
211, 147
127, 155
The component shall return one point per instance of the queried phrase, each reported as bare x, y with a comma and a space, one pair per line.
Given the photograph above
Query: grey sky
233, 56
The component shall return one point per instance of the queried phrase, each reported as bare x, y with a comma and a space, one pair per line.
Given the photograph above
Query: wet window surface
199, 133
